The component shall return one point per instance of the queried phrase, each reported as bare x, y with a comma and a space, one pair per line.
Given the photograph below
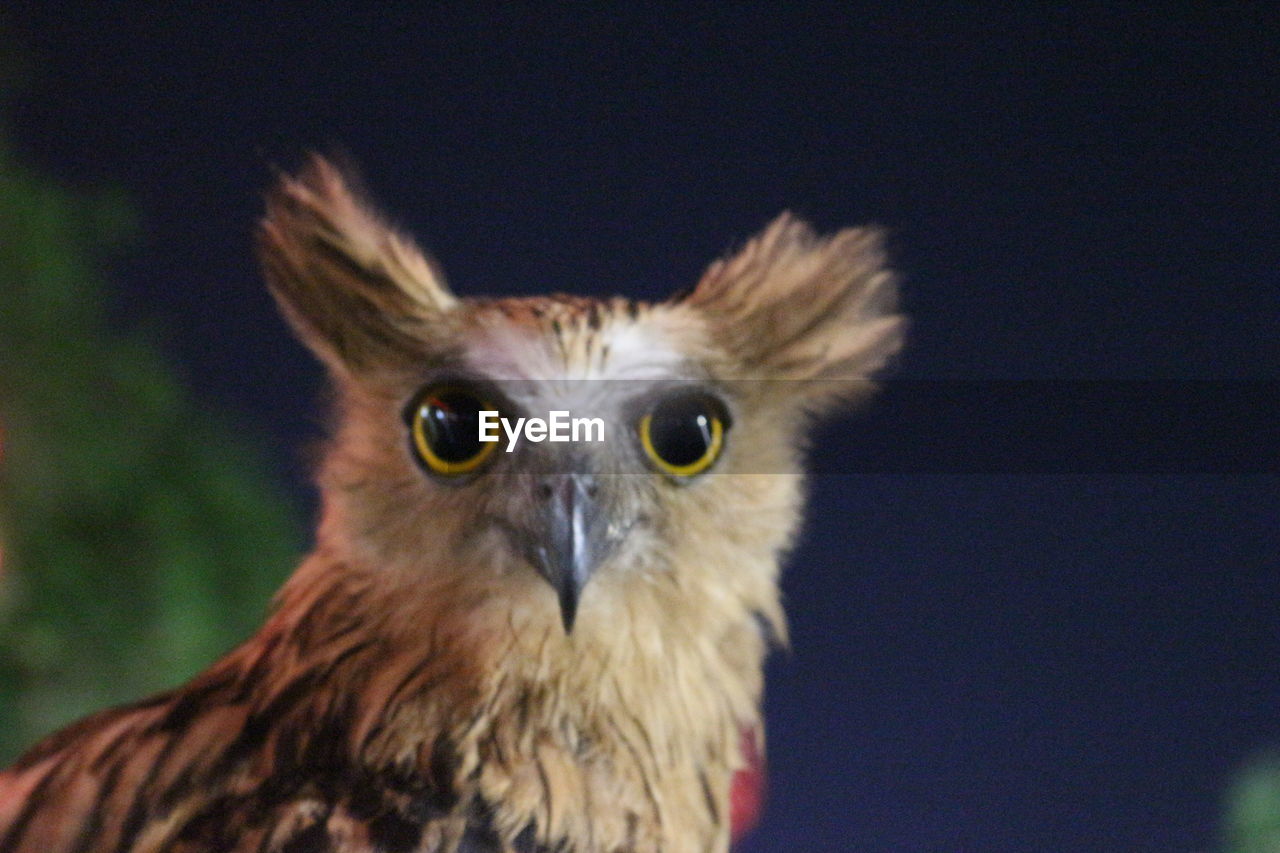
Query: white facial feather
620, 351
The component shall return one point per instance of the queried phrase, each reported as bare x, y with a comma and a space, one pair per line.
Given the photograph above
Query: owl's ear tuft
817, 310
354, 290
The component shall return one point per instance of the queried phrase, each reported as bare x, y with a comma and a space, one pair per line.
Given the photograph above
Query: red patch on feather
746, 793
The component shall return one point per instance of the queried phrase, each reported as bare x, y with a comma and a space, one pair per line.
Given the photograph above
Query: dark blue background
1004, 662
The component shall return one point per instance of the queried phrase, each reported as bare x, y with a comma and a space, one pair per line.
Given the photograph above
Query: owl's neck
623, 735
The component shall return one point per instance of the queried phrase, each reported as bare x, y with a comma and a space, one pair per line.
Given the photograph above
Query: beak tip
568, 610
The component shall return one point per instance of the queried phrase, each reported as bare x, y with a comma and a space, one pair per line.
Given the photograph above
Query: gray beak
575, 538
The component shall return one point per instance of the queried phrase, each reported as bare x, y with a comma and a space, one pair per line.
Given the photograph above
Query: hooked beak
575, 540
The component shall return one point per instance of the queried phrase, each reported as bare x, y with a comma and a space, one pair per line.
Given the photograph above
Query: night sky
996, 656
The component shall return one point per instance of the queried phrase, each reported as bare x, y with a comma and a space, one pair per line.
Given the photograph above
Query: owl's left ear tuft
820, 311
356, 292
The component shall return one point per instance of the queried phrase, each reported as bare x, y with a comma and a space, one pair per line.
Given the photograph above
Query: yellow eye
684, 434
445, 425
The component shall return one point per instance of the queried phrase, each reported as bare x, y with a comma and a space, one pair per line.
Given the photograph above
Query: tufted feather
356, 291
795, 306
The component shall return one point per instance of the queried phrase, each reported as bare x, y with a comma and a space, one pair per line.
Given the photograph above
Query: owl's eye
684, 434
445, 425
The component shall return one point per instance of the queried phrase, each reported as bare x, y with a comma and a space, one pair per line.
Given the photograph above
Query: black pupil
451, 423
680, 430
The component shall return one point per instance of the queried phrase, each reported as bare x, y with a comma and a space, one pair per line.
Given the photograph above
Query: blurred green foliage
140, 535
1253, 808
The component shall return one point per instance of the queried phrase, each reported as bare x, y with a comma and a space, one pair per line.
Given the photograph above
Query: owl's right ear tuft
818, 312
355, 291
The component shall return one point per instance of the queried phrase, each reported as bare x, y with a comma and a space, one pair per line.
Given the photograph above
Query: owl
545, 570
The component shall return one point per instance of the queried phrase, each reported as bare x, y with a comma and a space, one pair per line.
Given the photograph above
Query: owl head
665, 475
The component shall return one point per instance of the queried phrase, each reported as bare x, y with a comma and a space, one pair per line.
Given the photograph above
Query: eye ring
683, 435
445, 432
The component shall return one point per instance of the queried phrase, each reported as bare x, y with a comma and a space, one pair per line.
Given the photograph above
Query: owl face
686, 491
637, 438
